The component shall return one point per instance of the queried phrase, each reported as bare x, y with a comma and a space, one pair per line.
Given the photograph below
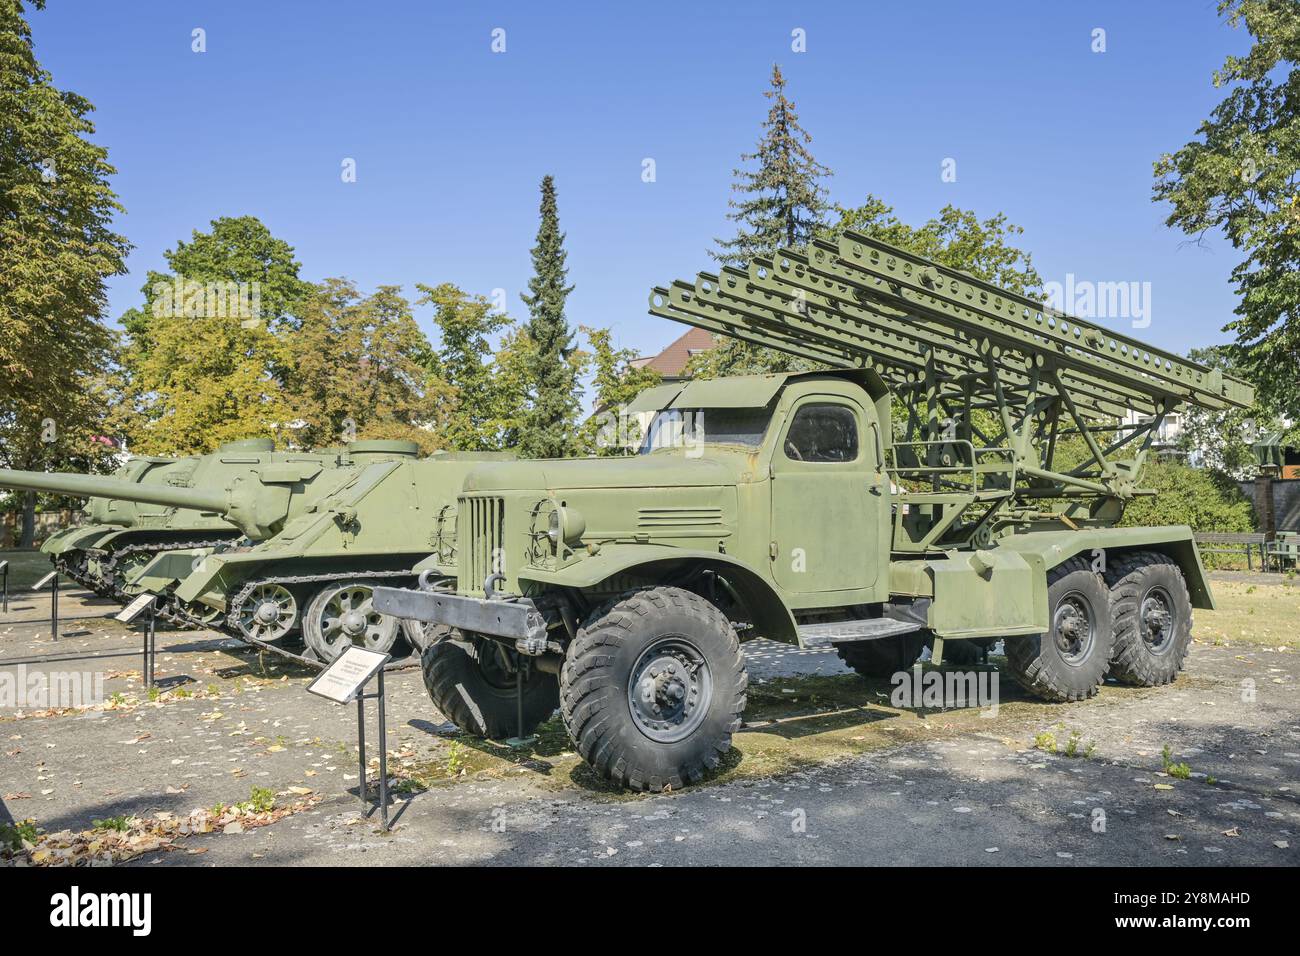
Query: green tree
1221, 440
360, 366
1240, 176
615, 382
784, 202
1203, 499
476, 418
548, 427
206, 360
57, 248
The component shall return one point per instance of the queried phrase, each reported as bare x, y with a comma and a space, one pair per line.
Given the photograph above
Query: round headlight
566, 524
553, 526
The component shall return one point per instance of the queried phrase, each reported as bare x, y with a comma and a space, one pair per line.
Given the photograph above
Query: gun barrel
95, 486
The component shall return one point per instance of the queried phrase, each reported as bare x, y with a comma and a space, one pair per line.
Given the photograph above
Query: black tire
1152, 612
883, 657
419, 634
1066, 664
968, 651
479, 697
642, 636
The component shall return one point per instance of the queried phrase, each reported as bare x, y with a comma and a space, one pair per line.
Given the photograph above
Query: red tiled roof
671, 362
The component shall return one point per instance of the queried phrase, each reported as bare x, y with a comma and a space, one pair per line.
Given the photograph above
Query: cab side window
822, 433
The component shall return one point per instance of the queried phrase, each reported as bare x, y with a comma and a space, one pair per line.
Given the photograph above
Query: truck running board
843, 632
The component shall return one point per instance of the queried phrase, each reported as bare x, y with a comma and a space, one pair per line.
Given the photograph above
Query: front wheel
1070, 661
471, 680
653, 687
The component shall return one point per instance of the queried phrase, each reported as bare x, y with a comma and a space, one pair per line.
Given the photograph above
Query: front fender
76, 539
771, 618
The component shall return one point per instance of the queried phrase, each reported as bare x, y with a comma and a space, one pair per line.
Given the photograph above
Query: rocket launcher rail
950, 344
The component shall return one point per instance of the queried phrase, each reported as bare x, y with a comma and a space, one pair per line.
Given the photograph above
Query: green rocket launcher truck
795, 508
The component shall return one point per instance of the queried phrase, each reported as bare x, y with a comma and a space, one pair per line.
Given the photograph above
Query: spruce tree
784, 202
549, 425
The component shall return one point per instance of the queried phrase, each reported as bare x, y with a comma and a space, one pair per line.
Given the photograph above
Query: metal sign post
344, 681
145, 602
4, 575
51, 579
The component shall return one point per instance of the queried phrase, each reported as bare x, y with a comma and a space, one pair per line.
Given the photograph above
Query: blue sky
451, 139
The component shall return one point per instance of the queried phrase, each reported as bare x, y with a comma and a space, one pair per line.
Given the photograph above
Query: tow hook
491, 579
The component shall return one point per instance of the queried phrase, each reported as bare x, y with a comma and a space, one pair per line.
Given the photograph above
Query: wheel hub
354, 622
267, 613
1157, 619
1073, 626
669, 690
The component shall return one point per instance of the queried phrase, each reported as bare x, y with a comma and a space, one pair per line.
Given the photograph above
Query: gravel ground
887, 787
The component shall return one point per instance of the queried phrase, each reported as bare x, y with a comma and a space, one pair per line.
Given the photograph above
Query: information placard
135, 608
343, 680
4, 565
45, 580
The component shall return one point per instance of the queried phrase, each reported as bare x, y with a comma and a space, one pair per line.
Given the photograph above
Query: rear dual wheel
1153, 618
1070, 661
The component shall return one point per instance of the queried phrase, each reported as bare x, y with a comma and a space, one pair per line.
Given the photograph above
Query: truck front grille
481, 540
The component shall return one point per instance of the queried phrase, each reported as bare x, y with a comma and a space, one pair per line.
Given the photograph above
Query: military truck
312, 575
790, 507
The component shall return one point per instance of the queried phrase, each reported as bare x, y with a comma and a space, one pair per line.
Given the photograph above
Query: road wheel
885, 656
653, 687
472, 683
343, 614
270, 613
1069, 662
1153, 618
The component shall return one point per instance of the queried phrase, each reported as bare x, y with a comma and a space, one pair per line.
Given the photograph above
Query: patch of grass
260, 800
1045, 741
120, 823
1248, 614
1180, 771
154, 693
12, 835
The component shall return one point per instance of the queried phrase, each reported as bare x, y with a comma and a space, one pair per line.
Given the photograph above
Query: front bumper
515, 618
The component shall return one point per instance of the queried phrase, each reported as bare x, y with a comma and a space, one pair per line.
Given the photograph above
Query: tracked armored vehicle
789, 507
311, 579
152, 506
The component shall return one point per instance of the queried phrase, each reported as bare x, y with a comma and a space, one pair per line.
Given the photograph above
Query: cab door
826, 499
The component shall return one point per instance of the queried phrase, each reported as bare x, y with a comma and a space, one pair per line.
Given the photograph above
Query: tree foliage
783, 200
57, 247
1203, 499
1221, 439
206, 360
1240, 176
549, 423
615, 382
359, 367
483, 402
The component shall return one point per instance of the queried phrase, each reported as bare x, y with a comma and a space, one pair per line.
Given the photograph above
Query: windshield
688, 427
